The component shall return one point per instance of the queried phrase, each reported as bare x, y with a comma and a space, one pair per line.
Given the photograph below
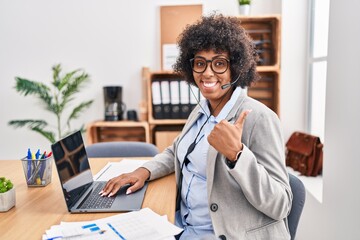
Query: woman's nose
208, 71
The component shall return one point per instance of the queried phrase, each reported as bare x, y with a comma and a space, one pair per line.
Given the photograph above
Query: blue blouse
194, 215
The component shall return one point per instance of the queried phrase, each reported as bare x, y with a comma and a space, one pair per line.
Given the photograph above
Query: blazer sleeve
162, 164
261, 170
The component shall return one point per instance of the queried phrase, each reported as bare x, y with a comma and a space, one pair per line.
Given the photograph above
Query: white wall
293, 84
111, 40
337, 217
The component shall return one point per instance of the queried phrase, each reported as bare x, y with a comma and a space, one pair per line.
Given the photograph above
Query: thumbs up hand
226, 137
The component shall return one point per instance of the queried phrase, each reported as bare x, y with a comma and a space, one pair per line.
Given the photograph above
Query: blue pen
43, 165
29, 156
37, 154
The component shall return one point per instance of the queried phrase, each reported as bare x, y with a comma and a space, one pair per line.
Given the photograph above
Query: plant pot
7, 200
244, 9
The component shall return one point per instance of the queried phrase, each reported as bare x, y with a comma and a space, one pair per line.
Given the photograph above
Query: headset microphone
230, 84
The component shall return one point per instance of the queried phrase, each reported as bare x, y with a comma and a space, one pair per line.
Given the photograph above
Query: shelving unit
266, 34
264, 30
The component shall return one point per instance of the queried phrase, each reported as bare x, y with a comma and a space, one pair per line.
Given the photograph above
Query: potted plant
7, 194
56, 99
244, 7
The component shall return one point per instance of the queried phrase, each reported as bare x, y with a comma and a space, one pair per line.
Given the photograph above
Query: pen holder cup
37, 171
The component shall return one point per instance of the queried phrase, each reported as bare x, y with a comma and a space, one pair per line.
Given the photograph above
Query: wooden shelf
108, 131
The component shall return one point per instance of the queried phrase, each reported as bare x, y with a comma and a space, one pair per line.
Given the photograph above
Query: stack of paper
142, 224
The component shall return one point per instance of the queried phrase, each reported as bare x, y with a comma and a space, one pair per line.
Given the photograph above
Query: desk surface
38, 208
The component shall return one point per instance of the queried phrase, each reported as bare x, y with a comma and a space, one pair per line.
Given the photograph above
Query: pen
29, 154
42, 167
37, 154
29, 164
44, 155
77, 235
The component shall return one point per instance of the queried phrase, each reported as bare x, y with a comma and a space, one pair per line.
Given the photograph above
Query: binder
194, 96
156, 100
165, 99
175, 98
184, 99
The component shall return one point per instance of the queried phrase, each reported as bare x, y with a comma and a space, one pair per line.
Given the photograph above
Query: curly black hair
220, 34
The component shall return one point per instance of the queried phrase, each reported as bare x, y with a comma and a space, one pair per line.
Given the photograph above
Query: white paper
170, 54
139, 225
114, 169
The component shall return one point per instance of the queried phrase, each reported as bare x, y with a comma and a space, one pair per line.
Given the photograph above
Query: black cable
191, 149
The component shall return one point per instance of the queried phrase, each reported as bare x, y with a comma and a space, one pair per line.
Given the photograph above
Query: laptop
81, 192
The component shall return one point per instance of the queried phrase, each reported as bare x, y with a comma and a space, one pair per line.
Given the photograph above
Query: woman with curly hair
229, 158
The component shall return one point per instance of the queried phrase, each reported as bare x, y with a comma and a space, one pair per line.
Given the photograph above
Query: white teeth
209, 84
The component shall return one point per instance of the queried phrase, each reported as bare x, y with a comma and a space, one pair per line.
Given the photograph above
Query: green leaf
29, 123
5, 185
65, 80
56, 72
28, 87
244, 2
47, 134
56, 100
34, 125
78, 109
75, 84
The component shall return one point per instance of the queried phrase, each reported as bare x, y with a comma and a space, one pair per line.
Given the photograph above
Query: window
319, 25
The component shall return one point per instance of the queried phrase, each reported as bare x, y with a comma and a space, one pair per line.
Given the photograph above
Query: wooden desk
38, 208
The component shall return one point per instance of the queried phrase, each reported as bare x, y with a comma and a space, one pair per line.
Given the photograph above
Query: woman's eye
200, 63
219, 63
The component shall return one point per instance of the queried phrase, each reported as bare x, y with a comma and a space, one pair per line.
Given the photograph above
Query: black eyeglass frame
209, 61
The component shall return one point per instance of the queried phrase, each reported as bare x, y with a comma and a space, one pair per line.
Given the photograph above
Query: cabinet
109, 131
162, 127
265, 32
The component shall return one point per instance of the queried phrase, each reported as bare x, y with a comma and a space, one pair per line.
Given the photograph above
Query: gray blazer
252, 200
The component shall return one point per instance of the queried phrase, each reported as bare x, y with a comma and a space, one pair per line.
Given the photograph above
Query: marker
42, 167
44, 155
29, 156
37, 154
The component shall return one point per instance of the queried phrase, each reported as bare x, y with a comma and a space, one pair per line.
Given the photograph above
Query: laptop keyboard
96, 201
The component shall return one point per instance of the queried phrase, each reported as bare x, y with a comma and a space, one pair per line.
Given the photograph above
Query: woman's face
215, 75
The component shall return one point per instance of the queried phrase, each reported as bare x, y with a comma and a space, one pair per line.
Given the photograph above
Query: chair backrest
299, 195
122, 149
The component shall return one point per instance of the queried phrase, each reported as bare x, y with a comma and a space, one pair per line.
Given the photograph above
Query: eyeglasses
218, 64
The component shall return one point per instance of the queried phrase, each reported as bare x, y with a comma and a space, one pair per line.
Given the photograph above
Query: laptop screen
73, 166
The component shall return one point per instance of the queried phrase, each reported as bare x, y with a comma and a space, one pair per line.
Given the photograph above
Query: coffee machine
114, 106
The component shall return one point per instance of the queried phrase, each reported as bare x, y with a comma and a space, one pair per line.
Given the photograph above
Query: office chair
299, 195
122, 149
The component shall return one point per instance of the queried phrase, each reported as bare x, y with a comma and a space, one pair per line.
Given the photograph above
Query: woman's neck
217, 105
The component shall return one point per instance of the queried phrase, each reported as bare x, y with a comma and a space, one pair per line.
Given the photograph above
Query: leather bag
304, 153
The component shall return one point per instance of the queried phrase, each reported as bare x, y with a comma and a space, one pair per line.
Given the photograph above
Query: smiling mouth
209, 84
